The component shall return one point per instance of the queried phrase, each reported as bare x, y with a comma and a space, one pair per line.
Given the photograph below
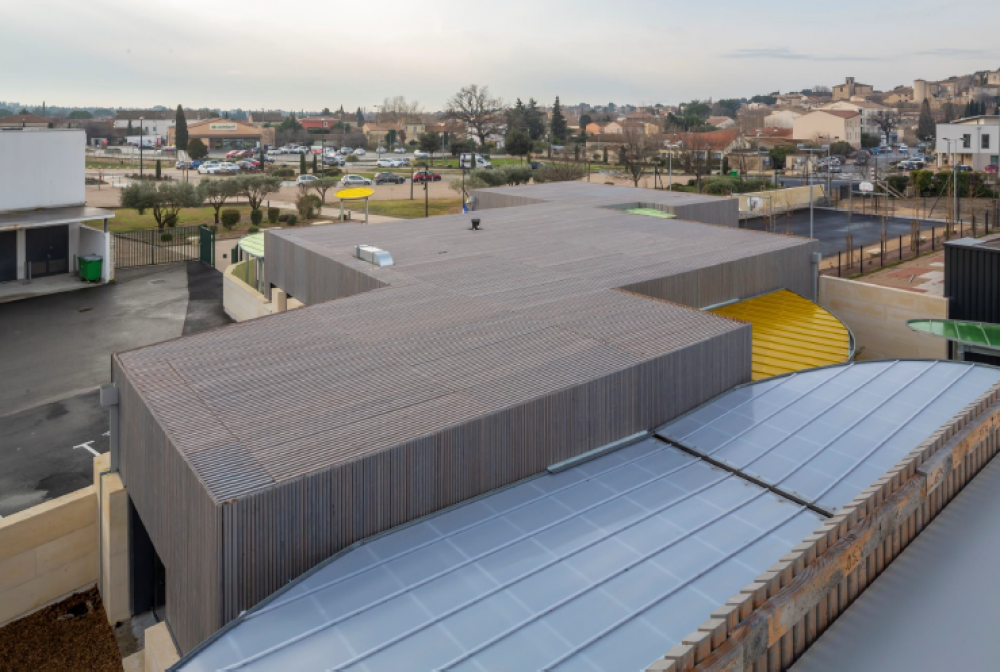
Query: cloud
786, 54
957, 53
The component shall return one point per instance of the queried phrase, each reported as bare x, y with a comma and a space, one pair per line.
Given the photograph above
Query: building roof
27, 219
713, 140
608, 563
843, 114
267, 116
462, 325
715, 121
24, 119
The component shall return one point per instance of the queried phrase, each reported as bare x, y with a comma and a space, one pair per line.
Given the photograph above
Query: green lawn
405, 209
130, 220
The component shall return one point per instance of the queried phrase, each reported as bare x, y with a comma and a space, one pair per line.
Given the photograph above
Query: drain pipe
816, 258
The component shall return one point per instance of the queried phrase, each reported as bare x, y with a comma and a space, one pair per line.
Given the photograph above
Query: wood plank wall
311, 276
773, 620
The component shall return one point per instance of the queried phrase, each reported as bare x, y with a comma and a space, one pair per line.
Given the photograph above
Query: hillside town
497, 379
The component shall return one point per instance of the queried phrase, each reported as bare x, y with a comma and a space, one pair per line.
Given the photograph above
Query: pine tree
949, 113
128, 131
926, 129
558, 124
533, 120
181, 130
360, 116
302, 164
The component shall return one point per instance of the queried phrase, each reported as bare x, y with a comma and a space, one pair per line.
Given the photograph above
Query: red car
426, 176
991, 169
234, 153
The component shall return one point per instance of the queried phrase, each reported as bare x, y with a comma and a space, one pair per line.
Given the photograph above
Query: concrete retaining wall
47, 552
242, 302
783, 200
877, 316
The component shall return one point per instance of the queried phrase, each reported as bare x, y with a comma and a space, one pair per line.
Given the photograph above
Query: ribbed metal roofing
603, 566
253, 245
825, 435
464, 325
790, 333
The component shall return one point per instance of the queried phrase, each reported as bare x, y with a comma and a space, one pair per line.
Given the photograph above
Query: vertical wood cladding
972, 280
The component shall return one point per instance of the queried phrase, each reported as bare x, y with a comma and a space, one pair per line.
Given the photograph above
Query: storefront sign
220, 126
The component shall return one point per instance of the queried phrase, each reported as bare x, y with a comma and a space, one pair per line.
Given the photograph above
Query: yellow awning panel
790, 333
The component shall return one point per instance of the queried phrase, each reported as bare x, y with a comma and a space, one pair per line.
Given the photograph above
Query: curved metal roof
968, 333
253, 245
790, 333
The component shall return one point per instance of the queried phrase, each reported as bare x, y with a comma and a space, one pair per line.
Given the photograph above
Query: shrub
283, 172
283, 217
214, 228
230, 218
352, 159
898, 182
307, 204
253, 229
170, 220
256, 216
292, 220
197, 149
159, 169
272, 215
166, 237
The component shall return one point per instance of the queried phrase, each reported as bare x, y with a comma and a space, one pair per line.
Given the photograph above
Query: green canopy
253, 245
968, 333
651, 212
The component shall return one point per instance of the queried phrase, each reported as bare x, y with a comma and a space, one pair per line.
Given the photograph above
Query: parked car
426, 176
268, 158
248, 164
183, 165
473, 161
403, 161
305, 179
389, 178
232, 154
400, 150
209, 168
227, 167
333, 160
359, 152
346, 150
386, 163
964, 169
275, 151
299, 150
420, 154
380, 150
355, 181
991, 169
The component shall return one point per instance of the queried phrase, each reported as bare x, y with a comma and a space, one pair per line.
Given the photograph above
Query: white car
400, 150
277, 150
421, 154
380, 150
209, 168
387, 163
227, 167
359, 152
305, 179
299, 150
346, 150
355, 181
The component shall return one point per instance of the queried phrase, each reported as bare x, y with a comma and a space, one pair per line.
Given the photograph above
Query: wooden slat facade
256, 451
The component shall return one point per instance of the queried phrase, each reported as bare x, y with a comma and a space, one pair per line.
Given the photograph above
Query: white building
870, 112
781, 119
973, 141
42, 206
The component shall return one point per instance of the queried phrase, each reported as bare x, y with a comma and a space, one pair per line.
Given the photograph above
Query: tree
164, 199
558, 125
778, 155
398, 109
459, 147
216, 192
326, 112
841, 148
258, 187
128, 129
80, 114
926, 130
533, 120
636, 153
868, 141
360, 117
196, 149
517, 141
290, 124
886, 122
949, 113
323, 185
24, 110
390, 138
728, 106
302, 164
481, 113
181, 131
585, 120
767, 100
430, 142
559, 171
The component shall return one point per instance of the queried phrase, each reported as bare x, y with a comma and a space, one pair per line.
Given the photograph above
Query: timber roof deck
464, 325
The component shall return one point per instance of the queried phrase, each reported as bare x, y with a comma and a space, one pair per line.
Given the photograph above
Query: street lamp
809, 170
670, 165
140, 146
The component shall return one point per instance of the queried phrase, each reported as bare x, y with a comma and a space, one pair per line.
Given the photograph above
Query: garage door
8, 256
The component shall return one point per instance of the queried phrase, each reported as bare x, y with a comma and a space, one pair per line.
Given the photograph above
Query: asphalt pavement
57, 351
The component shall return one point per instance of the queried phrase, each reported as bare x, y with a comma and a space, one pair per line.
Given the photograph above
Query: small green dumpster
734, 173
90, 267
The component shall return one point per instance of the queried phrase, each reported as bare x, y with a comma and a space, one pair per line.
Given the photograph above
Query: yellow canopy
790, 333
354, 193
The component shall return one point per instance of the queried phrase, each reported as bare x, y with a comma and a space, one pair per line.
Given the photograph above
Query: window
985, 143
967, 141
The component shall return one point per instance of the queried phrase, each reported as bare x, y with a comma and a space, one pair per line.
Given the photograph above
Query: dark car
426, 176
389, 178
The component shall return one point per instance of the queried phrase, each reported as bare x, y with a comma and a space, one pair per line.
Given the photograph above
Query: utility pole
140, 146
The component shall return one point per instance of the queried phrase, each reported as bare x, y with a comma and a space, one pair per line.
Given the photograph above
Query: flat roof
24, 219
595, 194
606, 565
464, 325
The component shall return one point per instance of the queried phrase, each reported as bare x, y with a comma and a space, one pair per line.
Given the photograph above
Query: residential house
870, 113
605, 128
645, 127
25, 121
318, 122
972, 141
782, 118
720, 122
829, 126
850, 89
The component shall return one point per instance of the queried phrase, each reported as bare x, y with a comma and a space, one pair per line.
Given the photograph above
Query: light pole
670, 166
140, 146
811, 151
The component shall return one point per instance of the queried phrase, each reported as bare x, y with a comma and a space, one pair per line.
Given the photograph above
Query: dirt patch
71, 635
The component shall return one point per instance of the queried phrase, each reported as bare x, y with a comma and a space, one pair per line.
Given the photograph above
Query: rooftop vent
373, 255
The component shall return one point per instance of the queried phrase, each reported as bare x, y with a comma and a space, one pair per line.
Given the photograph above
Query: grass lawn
414, 209
130, 220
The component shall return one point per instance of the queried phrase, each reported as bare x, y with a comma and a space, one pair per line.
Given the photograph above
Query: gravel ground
71, 635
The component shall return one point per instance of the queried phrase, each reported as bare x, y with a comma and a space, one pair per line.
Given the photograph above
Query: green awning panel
651, 212
253, 245
968, 333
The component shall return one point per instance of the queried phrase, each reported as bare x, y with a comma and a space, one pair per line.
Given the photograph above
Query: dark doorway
148, 575
8, 256
47, 250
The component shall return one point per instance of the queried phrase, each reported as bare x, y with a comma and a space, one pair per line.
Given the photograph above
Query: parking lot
57, 352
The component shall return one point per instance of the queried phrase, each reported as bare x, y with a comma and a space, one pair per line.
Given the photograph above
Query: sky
310, 54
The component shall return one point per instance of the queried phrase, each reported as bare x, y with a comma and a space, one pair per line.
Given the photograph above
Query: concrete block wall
242, 302
877, 316
47, 552
112, 517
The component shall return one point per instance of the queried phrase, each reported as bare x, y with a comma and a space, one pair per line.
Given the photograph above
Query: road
57, 352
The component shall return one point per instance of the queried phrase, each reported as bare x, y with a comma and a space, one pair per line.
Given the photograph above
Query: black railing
149, 247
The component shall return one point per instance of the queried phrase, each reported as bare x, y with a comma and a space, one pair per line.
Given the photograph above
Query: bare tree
695, 155
397, 109
637, 152
482, 114
886, 122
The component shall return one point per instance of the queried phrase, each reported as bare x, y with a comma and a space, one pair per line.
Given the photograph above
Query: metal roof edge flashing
598, 452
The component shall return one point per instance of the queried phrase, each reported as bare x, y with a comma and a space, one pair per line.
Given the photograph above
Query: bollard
900, 248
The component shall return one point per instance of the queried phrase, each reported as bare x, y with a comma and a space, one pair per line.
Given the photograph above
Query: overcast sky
311, 53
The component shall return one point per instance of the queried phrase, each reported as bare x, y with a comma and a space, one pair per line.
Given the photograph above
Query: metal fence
150, 247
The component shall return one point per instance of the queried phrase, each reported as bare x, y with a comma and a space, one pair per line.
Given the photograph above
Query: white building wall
41, 168
97, 242
974, 155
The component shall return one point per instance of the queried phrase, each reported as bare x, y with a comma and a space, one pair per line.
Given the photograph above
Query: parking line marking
86, 445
